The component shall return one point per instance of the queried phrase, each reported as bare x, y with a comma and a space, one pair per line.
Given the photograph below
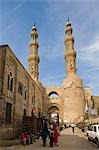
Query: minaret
70, 54
33, 58
73, 92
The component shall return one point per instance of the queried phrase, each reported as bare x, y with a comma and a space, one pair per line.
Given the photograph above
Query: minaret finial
34, 27
68, 19
34, 23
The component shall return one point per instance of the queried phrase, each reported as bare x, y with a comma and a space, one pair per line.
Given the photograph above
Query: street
67, 141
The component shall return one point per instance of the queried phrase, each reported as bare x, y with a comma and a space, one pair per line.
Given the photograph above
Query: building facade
22, 94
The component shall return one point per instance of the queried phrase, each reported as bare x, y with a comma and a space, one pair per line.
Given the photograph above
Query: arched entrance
53, 94
53, 114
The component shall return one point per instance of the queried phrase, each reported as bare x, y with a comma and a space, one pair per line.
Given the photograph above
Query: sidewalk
14, 147
10, 144
6, 143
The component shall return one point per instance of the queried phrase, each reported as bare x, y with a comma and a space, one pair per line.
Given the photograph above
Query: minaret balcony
34, 42
34, 33
70, 53
69, 38
31, 57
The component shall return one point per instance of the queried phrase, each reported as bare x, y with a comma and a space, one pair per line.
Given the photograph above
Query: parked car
93, 134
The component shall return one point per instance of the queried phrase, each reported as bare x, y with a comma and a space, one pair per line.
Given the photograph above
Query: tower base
73, 95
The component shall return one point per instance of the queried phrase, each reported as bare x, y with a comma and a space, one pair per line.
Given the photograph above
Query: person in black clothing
65, 125
73, 127
44, 133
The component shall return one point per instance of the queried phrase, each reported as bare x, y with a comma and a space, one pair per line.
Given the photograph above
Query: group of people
27, 137
52, 132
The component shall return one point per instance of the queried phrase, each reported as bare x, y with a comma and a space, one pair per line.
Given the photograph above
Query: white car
93, 134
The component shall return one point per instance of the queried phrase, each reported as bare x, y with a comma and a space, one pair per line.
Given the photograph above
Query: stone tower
70, 54
73, 93
33, 58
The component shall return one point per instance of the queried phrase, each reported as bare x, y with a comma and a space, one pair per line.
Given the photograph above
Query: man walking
73, 127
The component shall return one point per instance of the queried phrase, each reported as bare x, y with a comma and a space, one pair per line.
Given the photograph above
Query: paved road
67, 141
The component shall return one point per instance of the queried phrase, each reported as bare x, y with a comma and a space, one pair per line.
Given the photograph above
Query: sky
50, 16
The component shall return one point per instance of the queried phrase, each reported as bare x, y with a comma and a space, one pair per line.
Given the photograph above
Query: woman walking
44, 133
56, 134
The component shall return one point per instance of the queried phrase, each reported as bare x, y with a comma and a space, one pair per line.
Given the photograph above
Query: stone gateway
22, 94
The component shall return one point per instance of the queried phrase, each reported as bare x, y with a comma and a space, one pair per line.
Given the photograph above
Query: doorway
8, 112
53, 114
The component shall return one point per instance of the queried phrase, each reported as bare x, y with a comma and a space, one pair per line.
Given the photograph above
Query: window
10, 82
25, 94
20, 88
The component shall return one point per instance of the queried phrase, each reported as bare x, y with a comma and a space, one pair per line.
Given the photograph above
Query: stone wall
96, 102
73, 95
26, 94
2, 64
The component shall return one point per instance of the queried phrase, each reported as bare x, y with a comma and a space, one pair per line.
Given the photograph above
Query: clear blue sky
50, 16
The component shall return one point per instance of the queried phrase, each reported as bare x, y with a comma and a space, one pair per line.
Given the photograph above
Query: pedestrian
27, 137
32, 137
73, 127
51, 135
44, 133
65, 125
56, 134
24, 138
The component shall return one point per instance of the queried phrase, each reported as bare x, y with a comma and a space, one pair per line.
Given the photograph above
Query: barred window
20, 88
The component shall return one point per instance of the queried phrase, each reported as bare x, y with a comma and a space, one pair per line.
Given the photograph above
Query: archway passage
53, 114
53, 94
